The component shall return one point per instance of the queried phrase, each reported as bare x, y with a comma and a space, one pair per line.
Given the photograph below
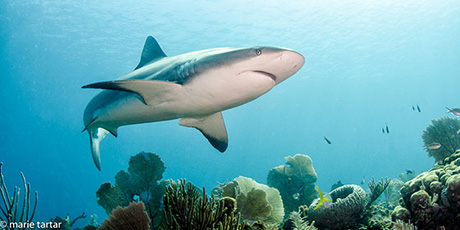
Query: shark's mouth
273, 77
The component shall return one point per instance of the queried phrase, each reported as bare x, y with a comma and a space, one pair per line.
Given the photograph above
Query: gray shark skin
194, 87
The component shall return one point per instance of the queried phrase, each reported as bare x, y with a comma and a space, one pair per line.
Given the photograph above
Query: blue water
367, 63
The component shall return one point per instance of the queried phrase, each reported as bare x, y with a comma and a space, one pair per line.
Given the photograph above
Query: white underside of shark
194, 87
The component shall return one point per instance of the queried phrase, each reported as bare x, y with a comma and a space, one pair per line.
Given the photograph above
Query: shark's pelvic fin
150, 92
151, 52
212, 127
89, 124
95, 137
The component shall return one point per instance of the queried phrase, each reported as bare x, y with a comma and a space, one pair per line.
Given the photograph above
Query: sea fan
132, 217
444, 132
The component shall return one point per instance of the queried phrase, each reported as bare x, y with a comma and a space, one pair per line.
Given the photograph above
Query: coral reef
392, 195
11, 209
140, 181
254, 201
298, 222
89, 227
400, 213
295, 181
93, 220
432, 199
336, 185
407, 175
376, 189
376, 216
401, 225
185, 208
348, 203
66, 223
133, 217
442, 138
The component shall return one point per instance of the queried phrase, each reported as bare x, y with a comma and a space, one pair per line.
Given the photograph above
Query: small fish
451, 126
433, 146
296, 196
300, 188
327, 140
409, 171
383, 130
455, 111
413, 108
458, 131
323, 200
418, 109
387, 129
363, 181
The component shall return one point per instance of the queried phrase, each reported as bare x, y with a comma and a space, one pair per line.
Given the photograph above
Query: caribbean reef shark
194, 87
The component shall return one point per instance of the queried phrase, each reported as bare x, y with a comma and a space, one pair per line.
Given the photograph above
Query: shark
194, 87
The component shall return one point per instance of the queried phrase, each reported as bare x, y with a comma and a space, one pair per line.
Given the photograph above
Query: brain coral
295, 181
445, 132
253, 200
344, 212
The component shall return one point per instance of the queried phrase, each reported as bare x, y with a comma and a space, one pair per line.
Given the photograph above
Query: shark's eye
258, 52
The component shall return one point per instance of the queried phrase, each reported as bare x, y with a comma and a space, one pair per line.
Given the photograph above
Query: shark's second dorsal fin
151, 52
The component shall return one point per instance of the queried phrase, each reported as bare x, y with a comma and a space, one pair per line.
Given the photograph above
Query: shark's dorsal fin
151, 52
149, 92
212, 127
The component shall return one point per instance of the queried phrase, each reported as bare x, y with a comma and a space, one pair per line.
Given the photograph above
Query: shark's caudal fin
212, 127
151, 52
149, 92
95, 137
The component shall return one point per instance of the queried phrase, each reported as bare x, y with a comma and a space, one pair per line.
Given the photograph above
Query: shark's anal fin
212, 127
151, 52
150, 92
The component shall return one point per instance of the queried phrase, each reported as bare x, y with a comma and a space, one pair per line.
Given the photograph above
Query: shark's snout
296, 60
286, 63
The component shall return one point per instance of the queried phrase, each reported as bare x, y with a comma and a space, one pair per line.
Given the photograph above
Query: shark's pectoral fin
212, 127
150, 92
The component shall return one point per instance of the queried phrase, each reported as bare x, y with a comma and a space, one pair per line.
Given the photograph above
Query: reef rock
376, 216
453, 192
344, 212
295, 181
400, 213
433, 198
253, 200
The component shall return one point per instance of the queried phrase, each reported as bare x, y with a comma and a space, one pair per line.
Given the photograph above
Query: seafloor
141, 199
